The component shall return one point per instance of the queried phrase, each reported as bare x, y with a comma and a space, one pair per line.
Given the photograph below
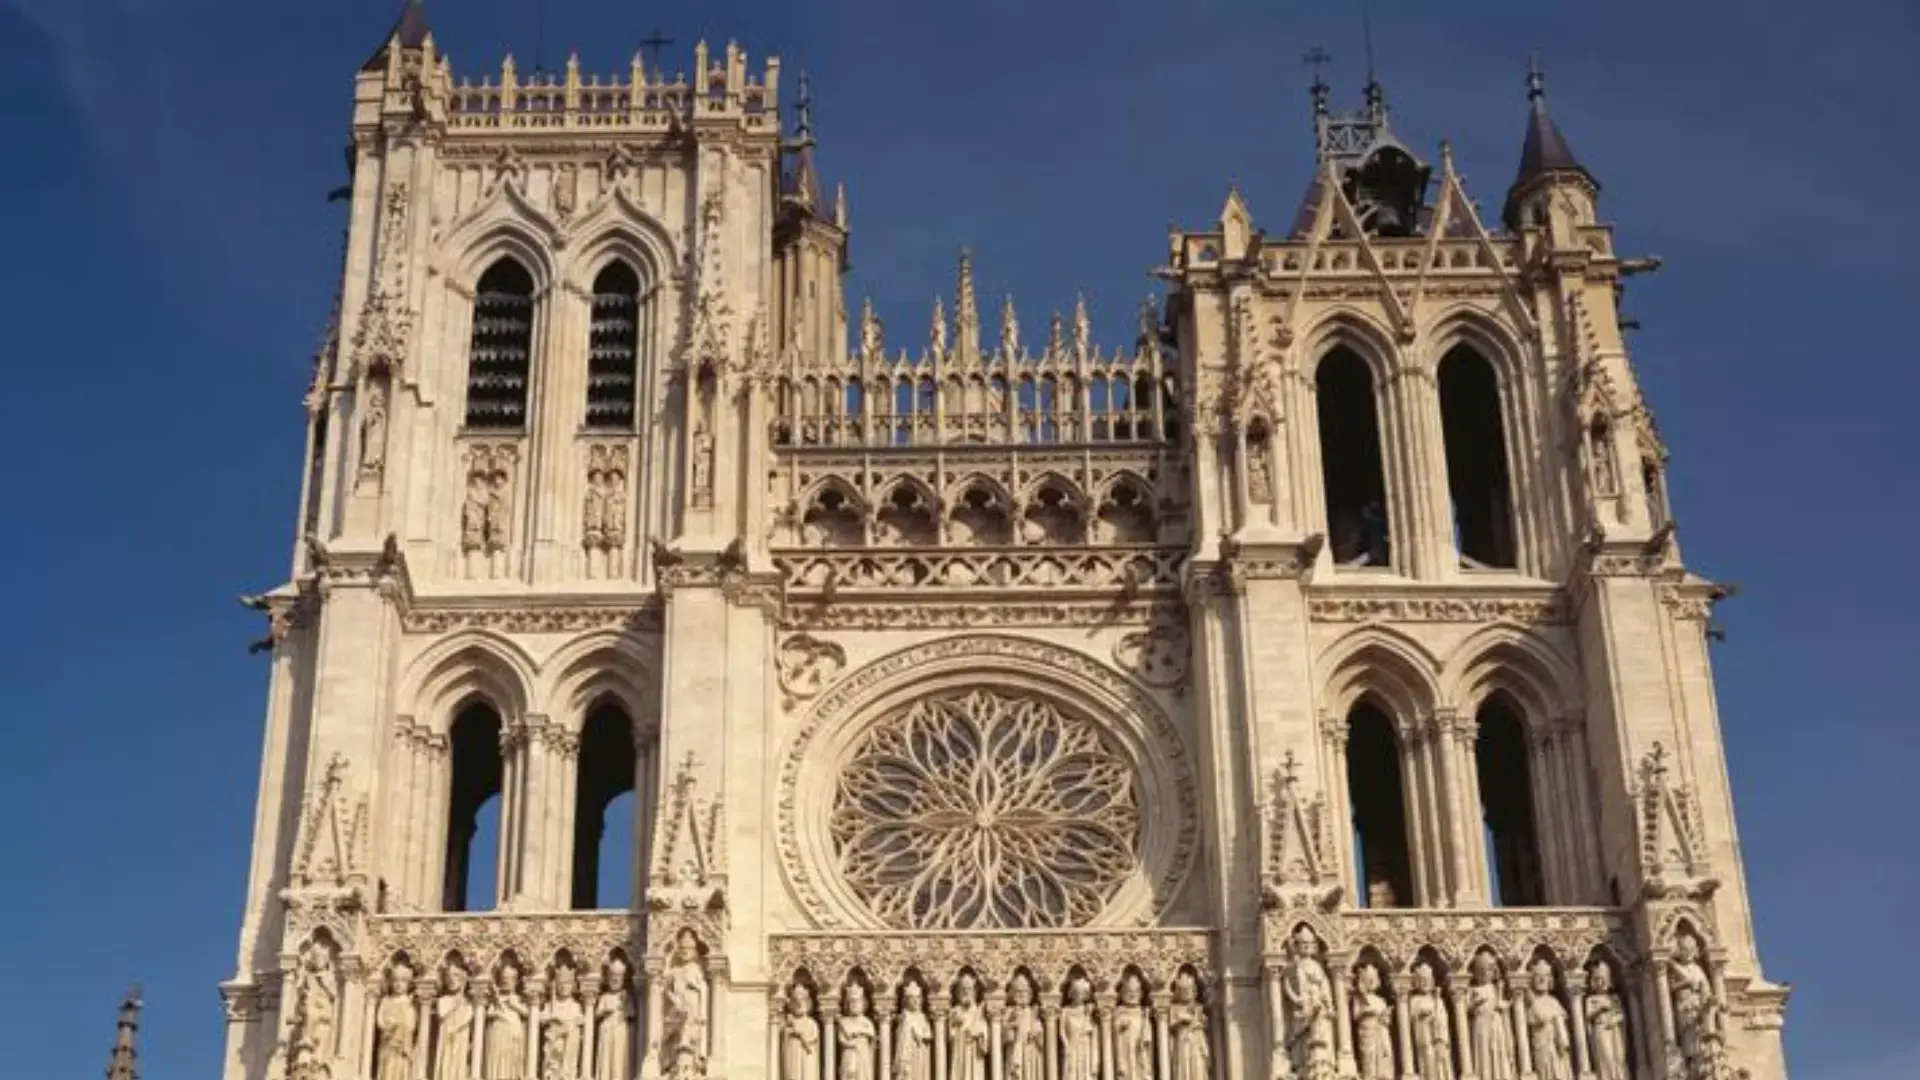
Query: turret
810, 244
1552, 189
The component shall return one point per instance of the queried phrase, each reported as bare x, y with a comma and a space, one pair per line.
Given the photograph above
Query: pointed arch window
473, 810
500, 352
607, 773
1476, 452
613, 348
1352, 467
1376, 790
1507, 799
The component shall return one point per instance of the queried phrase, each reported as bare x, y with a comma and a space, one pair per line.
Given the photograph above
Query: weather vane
653, 43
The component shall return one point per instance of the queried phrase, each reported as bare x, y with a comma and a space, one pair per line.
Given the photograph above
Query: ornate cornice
1548, 608
862, 613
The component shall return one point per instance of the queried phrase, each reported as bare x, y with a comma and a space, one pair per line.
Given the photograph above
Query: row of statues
967, 1034
1490, 1028
460, 1034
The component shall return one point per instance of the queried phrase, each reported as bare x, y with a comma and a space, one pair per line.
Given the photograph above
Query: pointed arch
1351, 328
1385, 662
500, 346
1507, 657
979, 511
1476, 437
476, 663
503, 222
596, 666
617, 227
1348, 408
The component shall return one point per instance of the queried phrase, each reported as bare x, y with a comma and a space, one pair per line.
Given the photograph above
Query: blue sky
170, 267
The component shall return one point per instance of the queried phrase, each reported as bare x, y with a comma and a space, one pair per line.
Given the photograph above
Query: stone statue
453, 1050
505, 1054
1188, 1055
1547, 1035
857, 1036
1696, 1013
497, 517
683, 1036
396, 1023
1024, 1052
1132, 1037
1606, 1026
702, 460
473, 513
1259, 472
1372, 1027
1490, 1023
563, 1034
967, 1032
1079, 1033
1427, 1025
1306, 994
913, 1037
800, 1037
316, 1008
613, 1025
373, 427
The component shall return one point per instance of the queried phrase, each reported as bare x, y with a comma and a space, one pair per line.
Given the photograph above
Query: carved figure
1489, 1023
1547, 1034
800, 1038
396, 1022
373, 428
683, 1038
1079, 1033
1307, 997
1259, 471
1696, 1013
497, 511
453, 1050
1606, 1026
913, 1037
473, 513
1132, 1038
857, 1036
1372, 1027
613, 1025
564, 1032
702, 465
506, 1044
316, 1008
1427, 1026
967, 1032
1024, 1053
1188, 1055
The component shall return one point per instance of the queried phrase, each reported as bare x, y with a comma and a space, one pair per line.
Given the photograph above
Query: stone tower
1311, 688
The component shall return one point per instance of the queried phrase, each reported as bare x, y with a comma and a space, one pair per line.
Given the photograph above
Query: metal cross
1316, 58
653, 43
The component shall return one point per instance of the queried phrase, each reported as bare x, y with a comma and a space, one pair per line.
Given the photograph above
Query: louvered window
613, 347
502, 348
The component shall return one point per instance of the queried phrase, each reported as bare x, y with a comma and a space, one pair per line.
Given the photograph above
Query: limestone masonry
1311, 687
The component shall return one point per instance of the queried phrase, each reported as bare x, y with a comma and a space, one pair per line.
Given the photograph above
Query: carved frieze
993, 958
1528, 611
857, 613
1127, 568
522, 618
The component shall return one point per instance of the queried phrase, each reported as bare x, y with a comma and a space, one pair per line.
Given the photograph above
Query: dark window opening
1350, 461
606, 772
501, 352
1374, 786
613, 348
1476, 460
1507, 800
473, 801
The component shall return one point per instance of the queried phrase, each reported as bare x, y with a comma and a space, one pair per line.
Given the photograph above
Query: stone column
1276, 1023
482, 1000
776, 1032
937, 1010
1343, 1017
1591, 878
539, 1004
1473, 886
830, 1035
650, 1061
1162, 1068
1410, 810
996, 1002
1462, 1034
883, 1019
1577, 1020
425, 992
1441, 880
1103, 1018
1050, 1033
1402, 1027
719, 990
1517, 1009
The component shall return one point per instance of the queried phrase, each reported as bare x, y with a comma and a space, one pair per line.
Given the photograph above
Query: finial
803, 109
966, 309
937, 335
122, 1065
1536, 82
1082, 328
1317, 58
840, 205
1056, 335
1009, 330
1446, 158
871, 347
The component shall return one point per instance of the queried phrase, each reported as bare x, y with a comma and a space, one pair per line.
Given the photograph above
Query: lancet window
613, 348
500, 351
1507, 801
1478, 481
474, 797
1353, 469
607, 771
1377, 794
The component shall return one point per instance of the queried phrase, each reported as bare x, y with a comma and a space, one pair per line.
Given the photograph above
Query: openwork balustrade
1131, 1005
1093, 568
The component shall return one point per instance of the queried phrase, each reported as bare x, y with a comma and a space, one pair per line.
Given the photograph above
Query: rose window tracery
982, 810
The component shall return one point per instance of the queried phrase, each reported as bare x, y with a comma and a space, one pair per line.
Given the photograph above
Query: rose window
978, 810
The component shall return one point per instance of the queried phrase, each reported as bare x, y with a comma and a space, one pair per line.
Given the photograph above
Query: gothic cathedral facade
1310, 688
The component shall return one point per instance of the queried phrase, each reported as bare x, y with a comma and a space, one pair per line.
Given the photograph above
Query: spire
966, 311
937, 334
803, 185
122, 1066
1009, 331
1545, 152
410, 31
